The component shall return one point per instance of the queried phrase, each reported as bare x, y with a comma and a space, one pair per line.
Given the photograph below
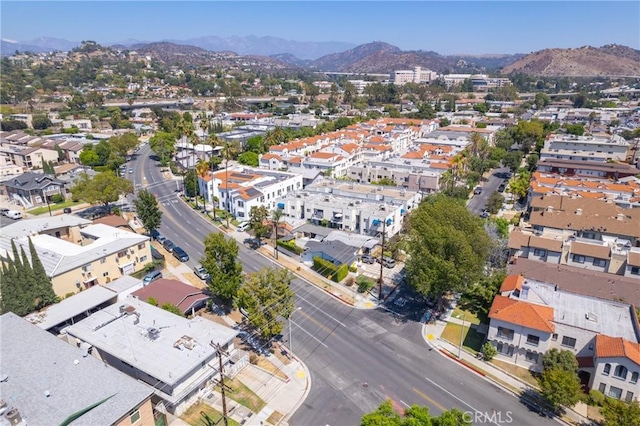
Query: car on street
130, 170
485, 214
367, 258
201, 273
168, 245
180, 254
161, 238
67, 210
155, 234
253, 243
502, 187
478, 190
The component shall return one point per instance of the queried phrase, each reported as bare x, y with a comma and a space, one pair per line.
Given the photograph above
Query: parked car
180, 254
4, 211
243, 226
478, 190
484, 214
502, 187
14, 214
155, 234
388, 262
201, 273
168, 245
151, 276
367, 258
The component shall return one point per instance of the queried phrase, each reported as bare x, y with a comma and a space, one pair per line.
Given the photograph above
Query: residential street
357, 358
478, 202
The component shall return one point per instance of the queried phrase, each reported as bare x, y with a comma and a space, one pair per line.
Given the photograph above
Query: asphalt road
356, 358
478, 202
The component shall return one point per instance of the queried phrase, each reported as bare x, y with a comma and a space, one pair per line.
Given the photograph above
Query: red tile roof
522, 313
512, 282
177, 293
614, 347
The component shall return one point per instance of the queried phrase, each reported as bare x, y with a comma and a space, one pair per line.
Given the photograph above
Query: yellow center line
440, 406
315, 321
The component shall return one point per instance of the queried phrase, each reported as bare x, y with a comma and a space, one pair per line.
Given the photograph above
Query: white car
243, 226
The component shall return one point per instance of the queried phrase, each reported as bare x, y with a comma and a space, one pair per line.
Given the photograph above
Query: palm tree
227, 156
194, 139
202, 168
276, 220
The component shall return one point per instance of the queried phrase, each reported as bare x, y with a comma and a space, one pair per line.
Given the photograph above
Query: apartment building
417, 75
238, 189
586, 233
585, 148
77, 254
176, 357
587, 169
49, 381
530, 317
28, 157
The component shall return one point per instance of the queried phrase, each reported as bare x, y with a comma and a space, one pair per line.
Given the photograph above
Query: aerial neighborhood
241, 240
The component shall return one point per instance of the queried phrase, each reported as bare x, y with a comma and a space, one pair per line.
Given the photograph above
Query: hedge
330, 270
291, 246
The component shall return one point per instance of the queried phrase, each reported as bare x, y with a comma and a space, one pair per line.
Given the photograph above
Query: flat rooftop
597, 315
35, 361
157, 354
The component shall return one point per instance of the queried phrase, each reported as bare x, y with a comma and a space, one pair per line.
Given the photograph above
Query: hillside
610, 60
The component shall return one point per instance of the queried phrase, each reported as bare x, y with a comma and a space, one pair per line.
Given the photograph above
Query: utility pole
380, 281
47, 201
222, 389
461, 335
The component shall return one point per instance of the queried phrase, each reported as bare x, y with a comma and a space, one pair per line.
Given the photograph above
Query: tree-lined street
357, 358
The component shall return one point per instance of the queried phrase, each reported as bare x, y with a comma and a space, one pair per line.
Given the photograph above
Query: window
589, 235
568, 341
240, 203
135, 416
505, 333
103, 260
143, 259
634, 377
539, 252
620, 372
105, 274
141, 246
607, 369
531, 356
504, 349
578, 258
635, 270
533, 340
615, 392
602, 388
554, 336
122, 253
629, 396
599, 262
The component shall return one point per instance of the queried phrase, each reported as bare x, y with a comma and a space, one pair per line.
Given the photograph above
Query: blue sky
444, 27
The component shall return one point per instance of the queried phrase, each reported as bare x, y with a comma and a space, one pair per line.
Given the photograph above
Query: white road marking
321, 311
405, 404
462, 401
312, 336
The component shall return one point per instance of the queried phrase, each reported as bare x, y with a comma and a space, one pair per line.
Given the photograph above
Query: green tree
447, 246
257, 217
89, 157
560, 387
384, 181
575, 129
248, 159
164, 145
105, 188
121, 145
266, 296
276, 221
40, 122
14, 298
560, 359
494, 203
45, 294
616, 413
415, 415
173, 309
520, 185
190, 183
384, 415
532, 161
541, 100
221, 262
488, 351
148, 210
512, 159
478, 297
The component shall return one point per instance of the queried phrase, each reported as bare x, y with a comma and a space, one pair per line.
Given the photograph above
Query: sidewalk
431, 332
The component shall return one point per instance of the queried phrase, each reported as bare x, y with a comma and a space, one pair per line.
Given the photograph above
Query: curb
459, 361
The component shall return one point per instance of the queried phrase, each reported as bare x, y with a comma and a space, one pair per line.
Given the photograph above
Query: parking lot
390, 275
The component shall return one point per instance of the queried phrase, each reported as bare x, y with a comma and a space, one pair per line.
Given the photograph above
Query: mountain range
376, 57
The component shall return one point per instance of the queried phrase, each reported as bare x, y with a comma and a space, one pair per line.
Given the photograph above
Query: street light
385, 222
461, 335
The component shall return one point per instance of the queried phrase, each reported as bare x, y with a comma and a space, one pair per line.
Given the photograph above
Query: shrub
291, 246
349, 281
353, 268
328, 269
489, 351
57, 198
596, 398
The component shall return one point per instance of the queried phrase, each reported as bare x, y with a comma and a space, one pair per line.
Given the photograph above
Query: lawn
468, 316
194, 416
237, 391
472, 340
44, 209
519, 372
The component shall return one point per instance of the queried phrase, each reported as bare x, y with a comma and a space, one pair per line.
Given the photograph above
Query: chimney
579, 212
